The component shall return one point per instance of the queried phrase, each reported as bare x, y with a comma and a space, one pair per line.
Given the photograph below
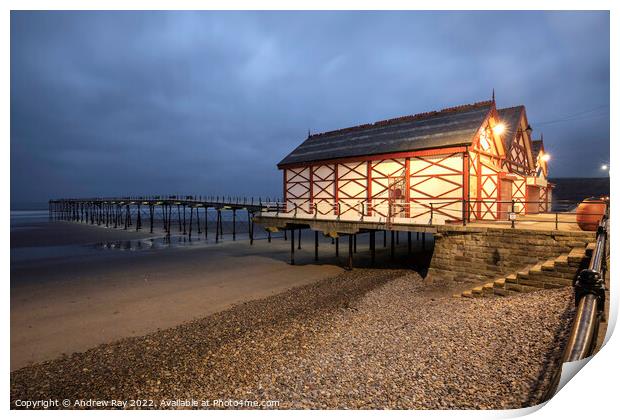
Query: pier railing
168, 210
555, 215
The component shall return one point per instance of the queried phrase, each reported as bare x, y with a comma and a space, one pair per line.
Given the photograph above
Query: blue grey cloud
107, 103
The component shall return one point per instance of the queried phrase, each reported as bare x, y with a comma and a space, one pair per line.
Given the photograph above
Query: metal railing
589, 288
432, 212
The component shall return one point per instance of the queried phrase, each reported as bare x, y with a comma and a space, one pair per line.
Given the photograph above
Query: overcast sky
116, 103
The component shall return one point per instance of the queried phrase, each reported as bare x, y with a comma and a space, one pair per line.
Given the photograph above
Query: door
532, 198
505, 206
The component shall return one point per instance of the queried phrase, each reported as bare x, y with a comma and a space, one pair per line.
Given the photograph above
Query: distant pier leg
191, 217
234, 224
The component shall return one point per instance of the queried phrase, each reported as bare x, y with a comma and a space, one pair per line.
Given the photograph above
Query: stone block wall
483, 254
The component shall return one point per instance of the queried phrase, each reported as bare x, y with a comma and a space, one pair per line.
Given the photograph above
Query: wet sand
61, 305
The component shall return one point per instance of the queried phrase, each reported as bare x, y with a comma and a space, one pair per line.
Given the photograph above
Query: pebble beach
368, 338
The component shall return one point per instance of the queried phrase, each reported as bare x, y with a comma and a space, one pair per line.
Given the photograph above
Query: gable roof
449, 127
512, 119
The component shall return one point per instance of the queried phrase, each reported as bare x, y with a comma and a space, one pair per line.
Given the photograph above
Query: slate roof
446, 128
537, 145
511, 118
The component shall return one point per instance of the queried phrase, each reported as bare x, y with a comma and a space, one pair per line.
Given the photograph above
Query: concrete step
499, 283
487, 289
548, 265
548, 274
503, 292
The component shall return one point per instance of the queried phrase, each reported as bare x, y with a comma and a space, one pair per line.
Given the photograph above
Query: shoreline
68, 303
349, 341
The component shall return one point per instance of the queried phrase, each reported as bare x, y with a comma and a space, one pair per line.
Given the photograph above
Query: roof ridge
413, 117
511, 107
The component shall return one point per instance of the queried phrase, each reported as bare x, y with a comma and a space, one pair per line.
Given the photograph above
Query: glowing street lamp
604, 167
499, 129
546, 157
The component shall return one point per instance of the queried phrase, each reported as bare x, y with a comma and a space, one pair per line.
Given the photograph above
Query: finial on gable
493, 95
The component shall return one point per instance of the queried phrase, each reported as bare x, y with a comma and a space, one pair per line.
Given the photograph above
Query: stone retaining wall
482, 254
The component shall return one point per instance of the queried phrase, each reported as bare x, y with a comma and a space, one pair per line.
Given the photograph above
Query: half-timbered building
468, 161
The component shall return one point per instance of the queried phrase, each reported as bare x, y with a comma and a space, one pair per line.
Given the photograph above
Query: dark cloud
107, 103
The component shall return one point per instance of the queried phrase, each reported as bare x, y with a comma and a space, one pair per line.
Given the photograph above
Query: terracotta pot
589, 213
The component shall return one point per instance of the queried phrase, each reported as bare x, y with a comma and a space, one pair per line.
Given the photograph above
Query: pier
144, 212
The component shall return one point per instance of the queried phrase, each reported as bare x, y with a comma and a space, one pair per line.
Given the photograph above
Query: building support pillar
409, 243
316, 245
292, 246
350, 264
372, 247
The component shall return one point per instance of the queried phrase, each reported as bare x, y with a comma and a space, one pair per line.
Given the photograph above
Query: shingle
446, 128
511, 118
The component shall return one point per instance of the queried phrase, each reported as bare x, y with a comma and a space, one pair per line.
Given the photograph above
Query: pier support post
139, 219
184, 227
337, 246
198, 220
385, 239
206, 222
251, 227
355, 243
151, 210
191, 217
299, 238
409, 243
350, 263
372, 247
423, 241
316, 245
292, 246
234, 224
397, 238
217, 226
392, 244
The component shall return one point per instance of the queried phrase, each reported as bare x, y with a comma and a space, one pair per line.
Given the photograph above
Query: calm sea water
25, 221
21, 218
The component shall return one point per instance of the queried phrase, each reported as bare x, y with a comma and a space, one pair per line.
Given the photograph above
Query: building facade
468, 161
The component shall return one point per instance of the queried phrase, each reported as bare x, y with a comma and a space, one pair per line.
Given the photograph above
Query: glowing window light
546, 157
